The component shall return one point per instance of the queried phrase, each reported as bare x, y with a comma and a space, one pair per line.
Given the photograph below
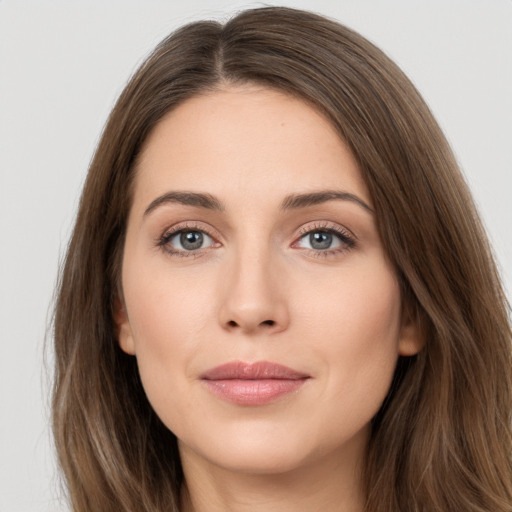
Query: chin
266, 449
251, 452
255, 461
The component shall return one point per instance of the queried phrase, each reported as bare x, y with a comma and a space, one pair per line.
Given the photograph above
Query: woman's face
263, 313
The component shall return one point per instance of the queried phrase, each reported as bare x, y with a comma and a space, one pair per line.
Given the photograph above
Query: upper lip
260, 370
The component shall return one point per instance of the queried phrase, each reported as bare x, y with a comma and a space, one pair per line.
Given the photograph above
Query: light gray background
62, 65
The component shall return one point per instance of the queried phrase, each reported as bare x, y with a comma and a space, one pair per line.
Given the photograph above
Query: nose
254, 298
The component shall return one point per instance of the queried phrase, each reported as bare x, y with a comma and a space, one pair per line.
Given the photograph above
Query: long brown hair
442, 439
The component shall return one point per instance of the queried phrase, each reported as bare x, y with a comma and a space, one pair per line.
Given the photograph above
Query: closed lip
260, 370
253, 384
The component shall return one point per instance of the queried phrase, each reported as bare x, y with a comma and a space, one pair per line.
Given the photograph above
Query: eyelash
348, 241
164, 241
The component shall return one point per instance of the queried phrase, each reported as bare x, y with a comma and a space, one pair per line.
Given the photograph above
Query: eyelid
163, 240
325, 225
347, 238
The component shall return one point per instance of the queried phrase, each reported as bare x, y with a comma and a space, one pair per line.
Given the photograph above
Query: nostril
264, 323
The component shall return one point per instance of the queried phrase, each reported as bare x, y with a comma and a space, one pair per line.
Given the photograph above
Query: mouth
253, 384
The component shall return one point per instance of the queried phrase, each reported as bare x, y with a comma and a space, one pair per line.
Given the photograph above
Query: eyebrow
290, 202
186, 198
314, 198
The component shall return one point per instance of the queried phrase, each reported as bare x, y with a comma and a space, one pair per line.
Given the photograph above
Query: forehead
249, 139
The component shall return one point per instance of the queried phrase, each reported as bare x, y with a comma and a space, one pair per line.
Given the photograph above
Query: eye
319, 240
186, 240
325, 240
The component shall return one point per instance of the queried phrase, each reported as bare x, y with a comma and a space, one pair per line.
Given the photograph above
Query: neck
332, 484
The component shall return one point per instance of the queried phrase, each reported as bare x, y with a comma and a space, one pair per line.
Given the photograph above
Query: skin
257, 290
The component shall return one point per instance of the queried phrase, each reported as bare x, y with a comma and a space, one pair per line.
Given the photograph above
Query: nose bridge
253, 297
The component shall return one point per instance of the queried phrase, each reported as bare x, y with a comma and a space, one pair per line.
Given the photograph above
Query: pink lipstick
252, 383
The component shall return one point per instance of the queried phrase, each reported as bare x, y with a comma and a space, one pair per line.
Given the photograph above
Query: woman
278, 295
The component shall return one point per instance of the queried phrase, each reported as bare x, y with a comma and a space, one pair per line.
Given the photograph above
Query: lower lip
253, 392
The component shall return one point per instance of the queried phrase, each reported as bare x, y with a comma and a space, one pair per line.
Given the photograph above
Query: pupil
191, 240
320, 240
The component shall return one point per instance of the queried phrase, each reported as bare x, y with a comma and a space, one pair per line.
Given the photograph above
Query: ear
412, 336
123, 328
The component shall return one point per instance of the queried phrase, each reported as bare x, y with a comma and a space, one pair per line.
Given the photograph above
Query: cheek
166, 305
359, 307
353, 325
169, 315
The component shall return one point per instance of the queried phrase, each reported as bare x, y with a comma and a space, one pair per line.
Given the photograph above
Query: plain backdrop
62, 65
